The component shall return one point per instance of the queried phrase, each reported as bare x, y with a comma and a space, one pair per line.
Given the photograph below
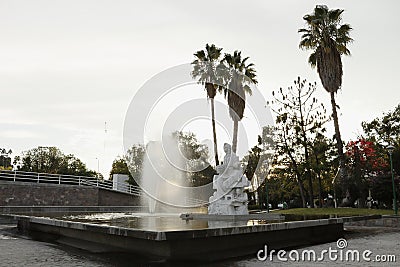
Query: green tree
299, 119
328, 38
258, 159
238, 76
252, 162
205, 70
133, 160
322, 163
198, 169
288, 160
385, 131
283, 185
381, 189
252, 159
119, 166
5, 159
51, 160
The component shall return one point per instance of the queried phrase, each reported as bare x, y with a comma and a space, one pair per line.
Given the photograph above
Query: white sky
66, 67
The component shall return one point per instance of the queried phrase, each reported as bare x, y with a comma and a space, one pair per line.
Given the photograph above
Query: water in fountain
163, 178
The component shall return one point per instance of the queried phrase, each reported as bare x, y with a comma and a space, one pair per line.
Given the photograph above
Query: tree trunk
214, 132
362, 199
235, 135
358, 178
310, 184
296, 170
339, 143
319, 180
320, 190
301, 187
306, 154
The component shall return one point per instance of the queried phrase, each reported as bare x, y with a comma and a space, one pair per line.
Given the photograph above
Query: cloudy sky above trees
66, 67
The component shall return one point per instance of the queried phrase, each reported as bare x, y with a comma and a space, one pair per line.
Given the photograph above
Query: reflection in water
153, 222
140, 221
168, 221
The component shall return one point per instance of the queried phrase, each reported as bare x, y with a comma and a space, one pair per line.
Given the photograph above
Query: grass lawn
333, 211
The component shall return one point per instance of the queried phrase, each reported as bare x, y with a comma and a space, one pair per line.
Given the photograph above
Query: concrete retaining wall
114, 198
33, 194
385, 221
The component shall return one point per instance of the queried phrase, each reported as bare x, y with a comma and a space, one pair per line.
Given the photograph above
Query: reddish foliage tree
363, 152
364, 163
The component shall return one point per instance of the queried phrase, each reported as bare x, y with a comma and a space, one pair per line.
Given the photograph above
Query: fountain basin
216, 217
207, 244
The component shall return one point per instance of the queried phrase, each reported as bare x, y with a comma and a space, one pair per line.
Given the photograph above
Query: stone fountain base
208, 244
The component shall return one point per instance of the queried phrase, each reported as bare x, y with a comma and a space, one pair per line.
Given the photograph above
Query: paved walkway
381, 241
19, 251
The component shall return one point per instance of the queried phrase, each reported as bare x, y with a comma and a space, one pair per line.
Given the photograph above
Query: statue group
229, 197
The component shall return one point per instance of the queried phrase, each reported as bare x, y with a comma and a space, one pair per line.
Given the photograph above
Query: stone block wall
32, 194
113, 198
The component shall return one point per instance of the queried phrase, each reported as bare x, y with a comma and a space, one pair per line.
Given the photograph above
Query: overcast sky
67, 67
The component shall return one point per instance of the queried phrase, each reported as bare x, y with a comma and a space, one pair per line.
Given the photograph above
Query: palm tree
204, 69
328, 38
240, 77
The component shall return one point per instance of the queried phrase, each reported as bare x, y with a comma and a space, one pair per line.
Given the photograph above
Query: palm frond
204, 68
327, 37
335, 15
313, 60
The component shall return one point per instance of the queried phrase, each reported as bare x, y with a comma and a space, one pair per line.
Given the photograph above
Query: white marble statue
229, 197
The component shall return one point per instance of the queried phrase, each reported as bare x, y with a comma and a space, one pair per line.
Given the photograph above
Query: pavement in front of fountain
16, 250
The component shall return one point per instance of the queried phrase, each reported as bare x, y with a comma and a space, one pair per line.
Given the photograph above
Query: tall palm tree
240, 77
204, 69
328, 38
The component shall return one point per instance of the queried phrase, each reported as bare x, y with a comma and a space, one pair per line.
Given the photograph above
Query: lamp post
390, 149
266, 167
98, 169
266, 192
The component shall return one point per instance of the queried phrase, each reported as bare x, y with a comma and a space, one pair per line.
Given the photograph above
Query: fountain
162, 179
227, 231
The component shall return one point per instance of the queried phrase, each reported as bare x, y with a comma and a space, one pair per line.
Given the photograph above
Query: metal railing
62, 179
